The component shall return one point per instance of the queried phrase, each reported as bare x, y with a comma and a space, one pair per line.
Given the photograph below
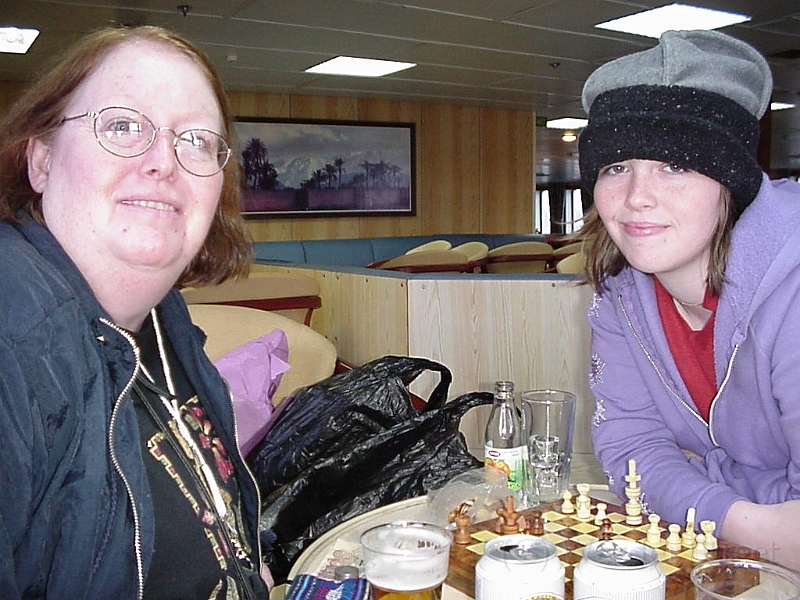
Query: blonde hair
226, 251
604, 258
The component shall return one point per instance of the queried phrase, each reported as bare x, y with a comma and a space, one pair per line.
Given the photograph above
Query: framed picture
317, 168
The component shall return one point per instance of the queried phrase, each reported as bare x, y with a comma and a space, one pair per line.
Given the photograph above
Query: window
557, 199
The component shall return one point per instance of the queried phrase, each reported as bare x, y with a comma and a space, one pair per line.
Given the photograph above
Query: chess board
571, 535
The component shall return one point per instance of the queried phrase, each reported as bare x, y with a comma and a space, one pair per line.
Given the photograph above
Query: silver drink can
519, 567
619, 570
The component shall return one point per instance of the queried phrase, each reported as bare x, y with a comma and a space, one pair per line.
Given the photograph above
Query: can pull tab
613, 554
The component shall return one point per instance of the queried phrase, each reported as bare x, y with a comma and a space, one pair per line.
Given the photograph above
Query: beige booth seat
311, 356
291, 295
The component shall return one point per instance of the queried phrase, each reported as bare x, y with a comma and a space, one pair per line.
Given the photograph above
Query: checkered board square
571, 535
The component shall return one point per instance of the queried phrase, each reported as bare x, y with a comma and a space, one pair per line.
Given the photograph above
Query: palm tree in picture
395, 170
339, 164
382, 169
254, 157
330, 172
369, 171
318, 177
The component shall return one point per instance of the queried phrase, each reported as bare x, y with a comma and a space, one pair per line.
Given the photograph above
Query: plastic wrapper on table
352, 443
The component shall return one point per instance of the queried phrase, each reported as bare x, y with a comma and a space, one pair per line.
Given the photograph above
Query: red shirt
693, 351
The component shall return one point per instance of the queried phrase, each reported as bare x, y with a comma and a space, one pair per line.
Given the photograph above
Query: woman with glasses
696, 268
121, 474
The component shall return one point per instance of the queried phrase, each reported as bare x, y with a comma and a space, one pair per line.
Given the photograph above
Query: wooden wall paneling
324, 107
265, 229
507, 170
534, 332
450, 183
254, 104
322, 228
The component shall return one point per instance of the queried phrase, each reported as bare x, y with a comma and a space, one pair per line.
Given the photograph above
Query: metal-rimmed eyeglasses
127, 133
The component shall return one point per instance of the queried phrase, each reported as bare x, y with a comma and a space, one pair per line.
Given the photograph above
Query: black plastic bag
352, 443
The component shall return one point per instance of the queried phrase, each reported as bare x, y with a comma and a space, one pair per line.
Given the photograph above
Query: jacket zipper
721, 387
256, 543
137, 534
669, 389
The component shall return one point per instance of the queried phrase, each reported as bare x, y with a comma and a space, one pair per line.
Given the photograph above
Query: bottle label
510, 461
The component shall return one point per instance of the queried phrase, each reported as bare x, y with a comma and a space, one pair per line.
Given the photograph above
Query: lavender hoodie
750, 448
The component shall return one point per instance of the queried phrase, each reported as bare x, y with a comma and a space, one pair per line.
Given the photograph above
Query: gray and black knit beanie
694, 100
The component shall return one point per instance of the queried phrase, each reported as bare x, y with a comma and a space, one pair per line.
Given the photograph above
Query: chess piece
708, 527
601, 514
606, 530
583, 503
536, 526
689, 537
567, 507
674, 537
700, 552
507, 518
462, 535
690, 518
633, 507
653, 530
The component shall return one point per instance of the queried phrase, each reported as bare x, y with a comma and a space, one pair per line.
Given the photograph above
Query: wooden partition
531, 331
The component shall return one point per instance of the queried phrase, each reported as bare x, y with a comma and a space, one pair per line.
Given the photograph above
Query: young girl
696, 267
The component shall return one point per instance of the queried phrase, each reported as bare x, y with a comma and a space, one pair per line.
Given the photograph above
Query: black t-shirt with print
191, 559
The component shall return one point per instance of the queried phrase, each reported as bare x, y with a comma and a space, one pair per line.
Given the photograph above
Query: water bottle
504, 446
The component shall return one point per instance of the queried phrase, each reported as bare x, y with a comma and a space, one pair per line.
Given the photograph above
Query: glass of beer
406, 560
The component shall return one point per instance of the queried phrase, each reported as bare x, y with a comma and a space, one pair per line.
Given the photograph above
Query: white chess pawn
653, 530
601, 513
708, 527
674, 537
700, 552
567, 507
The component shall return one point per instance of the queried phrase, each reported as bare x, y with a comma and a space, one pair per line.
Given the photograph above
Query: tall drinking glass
549, 422
740, 578
406, 560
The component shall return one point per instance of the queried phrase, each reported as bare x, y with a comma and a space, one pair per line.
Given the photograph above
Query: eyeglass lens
127, 133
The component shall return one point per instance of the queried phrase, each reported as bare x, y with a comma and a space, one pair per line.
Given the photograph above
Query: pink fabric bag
253, 372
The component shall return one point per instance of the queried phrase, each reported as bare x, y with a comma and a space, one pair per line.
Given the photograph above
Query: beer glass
406, 560
751, 579
549, 421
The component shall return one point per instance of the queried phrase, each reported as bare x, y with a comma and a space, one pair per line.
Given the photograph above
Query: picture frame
326, 168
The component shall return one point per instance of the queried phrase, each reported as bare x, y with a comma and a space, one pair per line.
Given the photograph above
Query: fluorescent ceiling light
652, 23
781, 106
16, 41
566, 123
360, 67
